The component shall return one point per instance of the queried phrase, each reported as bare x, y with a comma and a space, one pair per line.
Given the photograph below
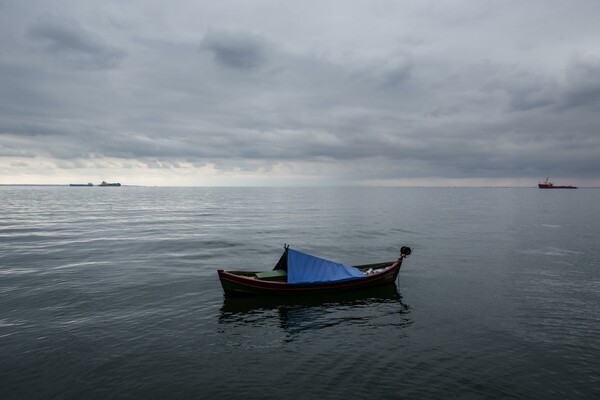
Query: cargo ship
82, 184
549, 185
104, 183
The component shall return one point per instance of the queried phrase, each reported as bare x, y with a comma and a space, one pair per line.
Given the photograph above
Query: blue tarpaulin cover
304, 268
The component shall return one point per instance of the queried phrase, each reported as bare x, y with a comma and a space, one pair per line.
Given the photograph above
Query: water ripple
113, 293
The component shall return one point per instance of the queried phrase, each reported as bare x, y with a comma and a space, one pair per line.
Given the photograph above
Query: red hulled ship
549, 185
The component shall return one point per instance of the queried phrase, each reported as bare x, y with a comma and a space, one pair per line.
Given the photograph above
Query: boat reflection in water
297, 314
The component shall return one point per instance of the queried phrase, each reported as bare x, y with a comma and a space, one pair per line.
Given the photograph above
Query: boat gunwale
274, 287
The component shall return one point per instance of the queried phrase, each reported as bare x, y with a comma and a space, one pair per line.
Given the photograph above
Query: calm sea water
113, 293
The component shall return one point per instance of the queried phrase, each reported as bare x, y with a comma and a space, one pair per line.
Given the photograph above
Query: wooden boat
299, 274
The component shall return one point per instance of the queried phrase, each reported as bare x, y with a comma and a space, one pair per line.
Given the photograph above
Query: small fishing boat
299, 274
549, 185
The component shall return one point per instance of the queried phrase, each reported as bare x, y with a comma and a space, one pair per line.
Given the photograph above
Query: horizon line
289, 186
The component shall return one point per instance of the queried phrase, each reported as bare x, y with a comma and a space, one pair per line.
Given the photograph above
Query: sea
110, 293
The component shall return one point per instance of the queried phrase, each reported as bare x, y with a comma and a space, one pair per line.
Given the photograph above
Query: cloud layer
342, 92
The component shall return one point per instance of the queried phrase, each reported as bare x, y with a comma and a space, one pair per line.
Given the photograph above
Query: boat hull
544, 186
235, 285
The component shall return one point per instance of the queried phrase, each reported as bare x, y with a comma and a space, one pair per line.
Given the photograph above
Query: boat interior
280, 275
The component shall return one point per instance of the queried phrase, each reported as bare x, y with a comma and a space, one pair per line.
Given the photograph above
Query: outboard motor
405, 251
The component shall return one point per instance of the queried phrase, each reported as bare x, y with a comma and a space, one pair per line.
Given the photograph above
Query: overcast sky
300, 93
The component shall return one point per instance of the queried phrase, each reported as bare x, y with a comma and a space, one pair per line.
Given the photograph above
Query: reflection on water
295, 315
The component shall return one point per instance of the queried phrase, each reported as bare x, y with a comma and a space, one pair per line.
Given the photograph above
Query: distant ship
104, 183
81, 184
549, 185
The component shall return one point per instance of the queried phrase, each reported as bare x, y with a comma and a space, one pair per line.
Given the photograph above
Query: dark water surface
113, 293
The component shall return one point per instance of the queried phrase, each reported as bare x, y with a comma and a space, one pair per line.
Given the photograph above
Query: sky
327, 93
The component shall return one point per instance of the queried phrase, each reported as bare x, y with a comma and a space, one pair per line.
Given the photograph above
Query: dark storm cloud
583, 84
66, 39
578, 85
396, 71
235, 49
12, 147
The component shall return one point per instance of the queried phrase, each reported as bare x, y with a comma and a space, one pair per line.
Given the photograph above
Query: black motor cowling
405, 251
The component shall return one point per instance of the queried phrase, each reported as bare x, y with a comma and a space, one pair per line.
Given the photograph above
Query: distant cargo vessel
549, 185
81, 184
104, 183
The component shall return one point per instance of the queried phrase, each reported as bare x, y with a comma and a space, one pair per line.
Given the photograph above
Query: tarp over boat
305, 268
